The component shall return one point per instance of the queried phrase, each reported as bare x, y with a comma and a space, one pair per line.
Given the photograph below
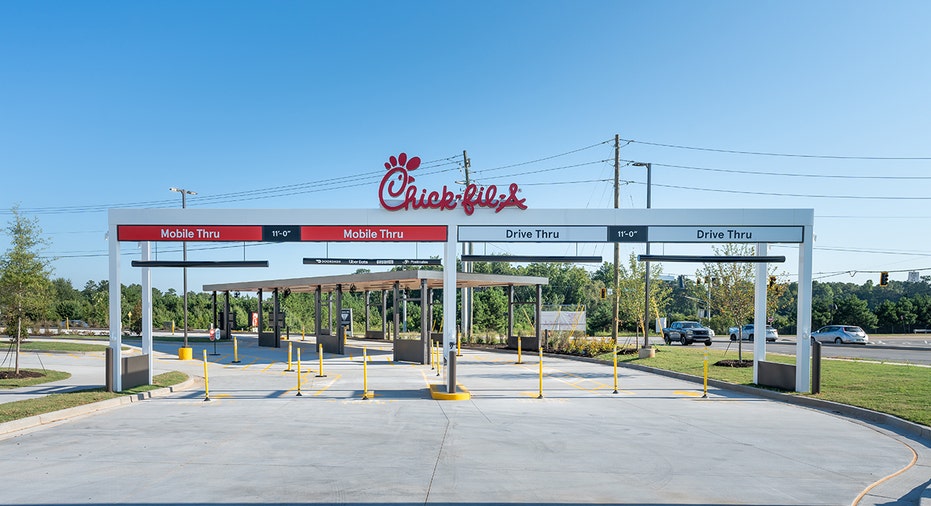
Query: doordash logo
397, 192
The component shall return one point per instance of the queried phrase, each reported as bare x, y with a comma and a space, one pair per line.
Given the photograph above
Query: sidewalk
86, 369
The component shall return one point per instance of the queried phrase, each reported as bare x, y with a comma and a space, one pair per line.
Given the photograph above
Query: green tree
25, 288
631, 294
730, 287
491, 305
853, 311
907, 313
887, 316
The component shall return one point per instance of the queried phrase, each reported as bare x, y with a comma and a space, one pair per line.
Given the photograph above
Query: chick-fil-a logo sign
397, 191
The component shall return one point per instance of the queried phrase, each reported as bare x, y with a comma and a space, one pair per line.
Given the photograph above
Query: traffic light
681, 281
772, 281
604, 293
883, 278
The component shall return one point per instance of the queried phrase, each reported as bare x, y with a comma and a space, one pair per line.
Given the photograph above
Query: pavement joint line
12, 426
900, 425
884, 479
331, 383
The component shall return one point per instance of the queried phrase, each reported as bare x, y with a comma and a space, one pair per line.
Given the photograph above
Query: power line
335, 183
784, 174
268, 192
545, 158
771, 194
860, 250
556, 183
871, 217
764, 153
539, 171
273, 192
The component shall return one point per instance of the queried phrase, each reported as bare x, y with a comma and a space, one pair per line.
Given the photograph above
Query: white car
841, 334
746, 333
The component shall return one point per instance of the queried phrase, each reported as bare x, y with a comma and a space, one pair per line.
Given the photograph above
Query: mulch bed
734, 363
22, 374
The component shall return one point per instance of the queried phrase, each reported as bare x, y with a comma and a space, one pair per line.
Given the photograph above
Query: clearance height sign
283, 233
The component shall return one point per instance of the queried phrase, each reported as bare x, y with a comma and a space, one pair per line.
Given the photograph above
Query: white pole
115, 309
147, 307
449, 291
803, 327
759, 315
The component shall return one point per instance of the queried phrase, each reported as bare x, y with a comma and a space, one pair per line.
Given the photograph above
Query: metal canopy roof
377, 281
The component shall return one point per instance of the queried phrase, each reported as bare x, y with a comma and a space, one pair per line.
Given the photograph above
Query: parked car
746, 333
841, 334
687, 333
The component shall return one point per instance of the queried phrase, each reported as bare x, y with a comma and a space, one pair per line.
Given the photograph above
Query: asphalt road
905, 350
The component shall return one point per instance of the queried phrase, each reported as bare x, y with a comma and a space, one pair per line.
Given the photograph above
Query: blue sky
111, 103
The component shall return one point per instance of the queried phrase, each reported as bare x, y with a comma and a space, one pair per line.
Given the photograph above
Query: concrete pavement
655, 442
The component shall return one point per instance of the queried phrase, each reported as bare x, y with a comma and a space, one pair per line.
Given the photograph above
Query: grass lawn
31, 407
900, 390
47, 377
31, 345
173, 339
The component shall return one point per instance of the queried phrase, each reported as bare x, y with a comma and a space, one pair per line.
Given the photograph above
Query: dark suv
687, 333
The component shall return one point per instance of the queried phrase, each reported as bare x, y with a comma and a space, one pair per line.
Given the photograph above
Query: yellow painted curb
439, 393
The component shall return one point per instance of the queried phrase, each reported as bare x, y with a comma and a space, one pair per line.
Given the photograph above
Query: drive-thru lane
656, 441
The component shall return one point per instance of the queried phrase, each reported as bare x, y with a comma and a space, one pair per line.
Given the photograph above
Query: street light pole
184, 193
617, 245
646, 304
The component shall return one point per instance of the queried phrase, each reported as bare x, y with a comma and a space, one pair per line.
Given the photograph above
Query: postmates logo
397, 192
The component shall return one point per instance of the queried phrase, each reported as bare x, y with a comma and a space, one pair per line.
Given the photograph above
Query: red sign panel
374, 233
192, 233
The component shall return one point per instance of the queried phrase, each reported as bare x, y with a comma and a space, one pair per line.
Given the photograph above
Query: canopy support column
539, 317
147, 308
803, 330
317, 310
449, 304
759, 317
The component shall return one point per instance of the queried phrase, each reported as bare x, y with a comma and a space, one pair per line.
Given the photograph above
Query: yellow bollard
320, 353
541, 373
519, 361
365, 376
299, 373
302, 332
439, 358
458, 346
172, 327
289, 358
706, 373
615, 367
206, 380
235, 350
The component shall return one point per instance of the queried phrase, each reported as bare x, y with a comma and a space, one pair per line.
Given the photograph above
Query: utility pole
617, 246
466, 294
184, 193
